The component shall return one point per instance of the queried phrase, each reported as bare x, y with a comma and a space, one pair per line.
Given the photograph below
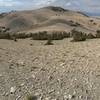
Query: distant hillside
49, 19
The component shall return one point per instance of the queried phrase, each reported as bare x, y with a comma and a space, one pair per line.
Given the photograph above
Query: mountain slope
48, 18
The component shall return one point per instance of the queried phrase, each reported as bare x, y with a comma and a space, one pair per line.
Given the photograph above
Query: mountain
48, 19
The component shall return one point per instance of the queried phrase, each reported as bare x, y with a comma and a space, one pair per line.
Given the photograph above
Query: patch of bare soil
63, 71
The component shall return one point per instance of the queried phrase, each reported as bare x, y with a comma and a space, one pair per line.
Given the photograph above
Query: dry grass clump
78, 35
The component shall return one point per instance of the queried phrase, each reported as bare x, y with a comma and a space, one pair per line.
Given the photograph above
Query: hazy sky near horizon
92, 6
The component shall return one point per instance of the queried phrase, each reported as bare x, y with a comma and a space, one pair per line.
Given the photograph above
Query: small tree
49, 41
78, 35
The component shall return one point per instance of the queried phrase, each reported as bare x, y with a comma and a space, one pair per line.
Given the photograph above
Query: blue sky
91, 6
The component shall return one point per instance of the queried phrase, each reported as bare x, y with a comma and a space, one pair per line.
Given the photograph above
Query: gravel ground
63, 71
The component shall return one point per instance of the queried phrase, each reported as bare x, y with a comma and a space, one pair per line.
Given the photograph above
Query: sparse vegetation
57, 9
78, 35
90, 36
95, 23
91, 20
40, 35
55, 35
98, 34
74, 24
29, 97
49, 41
4, 33
43, 35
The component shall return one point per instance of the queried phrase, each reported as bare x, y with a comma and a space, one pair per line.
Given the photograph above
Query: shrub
65, 34
31, 97
78, 35
4, 35
55, 35
49, 41
95, 23
74, 24
98, 34
91, 20
90, 36
98, 31
21, 35
40, 35
59, 35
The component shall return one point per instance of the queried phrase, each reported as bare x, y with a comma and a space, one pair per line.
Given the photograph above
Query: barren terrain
49, 19
63, 71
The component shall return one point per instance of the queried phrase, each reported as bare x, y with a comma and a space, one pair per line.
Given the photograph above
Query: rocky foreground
63, 71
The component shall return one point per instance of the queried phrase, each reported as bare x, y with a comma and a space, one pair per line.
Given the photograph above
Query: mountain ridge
48, 19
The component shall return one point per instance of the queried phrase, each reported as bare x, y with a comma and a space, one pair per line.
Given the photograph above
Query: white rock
22, 84
33, 76
20, 62
12, 90
70, 96
47, 98
66, 97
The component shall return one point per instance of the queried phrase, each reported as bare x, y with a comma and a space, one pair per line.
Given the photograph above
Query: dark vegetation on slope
77, 35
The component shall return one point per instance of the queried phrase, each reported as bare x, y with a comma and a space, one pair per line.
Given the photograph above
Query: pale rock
1, 75
13, 90
70, 96
20, 62
33, 76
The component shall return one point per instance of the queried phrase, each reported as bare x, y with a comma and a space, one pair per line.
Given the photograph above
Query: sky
90, 6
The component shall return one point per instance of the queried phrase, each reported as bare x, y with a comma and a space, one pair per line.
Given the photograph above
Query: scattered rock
22, 84
69, 97
1, 75
47, 98
33, 76
13, 90
5, 94
51, 91
80, 97
18, 97
20, 62
65, 97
